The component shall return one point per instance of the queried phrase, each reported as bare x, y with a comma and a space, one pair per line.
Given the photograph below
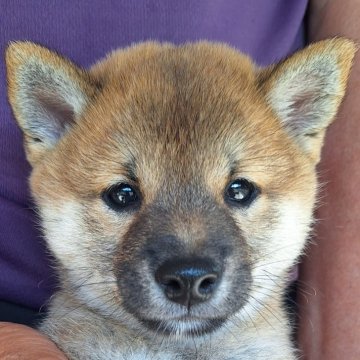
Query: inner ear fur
47, 93
306, 89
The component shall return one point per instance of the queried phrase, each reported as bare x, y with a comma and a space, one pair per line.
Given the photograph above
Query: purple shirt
266, 30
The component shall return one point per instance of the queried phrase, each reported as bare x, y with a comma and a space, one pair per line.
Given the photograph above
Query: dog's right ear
47, 93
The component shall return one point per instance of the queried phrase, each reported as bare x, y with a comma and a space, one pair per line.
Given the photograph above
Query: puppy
176, 187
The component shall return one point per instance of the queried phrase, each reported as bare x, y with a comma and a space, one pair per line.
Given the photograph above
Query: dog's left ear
306, 89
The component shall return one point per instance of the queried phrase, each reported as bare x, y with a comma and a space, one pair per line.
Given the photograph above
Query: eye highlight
121, 197
241, 192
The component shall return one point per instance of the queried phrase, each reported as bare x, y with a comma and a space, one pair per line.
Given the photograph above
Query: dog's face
175, 184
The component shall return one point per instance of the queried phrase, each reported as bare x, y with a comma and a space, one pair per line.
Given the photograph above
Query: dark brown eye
241, 192
121, 196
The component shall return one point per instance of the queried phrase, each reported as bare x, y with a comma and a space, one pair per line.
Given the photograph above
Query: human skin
330, 321
21, 342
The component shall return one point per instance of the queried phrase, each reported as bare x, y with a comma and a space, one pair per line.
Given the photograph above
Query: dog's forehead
177, 87
196, 97
177, 115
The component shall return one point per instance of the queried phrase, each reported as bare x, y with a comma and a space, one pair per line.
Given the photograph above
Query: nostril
207, 284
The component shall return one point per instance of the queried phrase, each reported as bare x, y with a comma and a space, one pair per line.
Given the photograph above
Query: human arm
22, 342
330, 321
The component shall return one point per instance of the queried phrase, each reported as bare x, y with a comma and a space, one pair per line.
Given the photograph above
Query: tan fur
187, 121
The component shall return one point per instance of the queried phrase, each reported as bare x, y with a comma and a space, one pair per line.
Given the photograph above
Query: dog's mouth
184, 326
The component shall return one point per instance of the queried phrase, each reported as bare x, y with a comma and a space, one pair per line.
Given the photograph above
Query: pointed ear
306, 89
47, 93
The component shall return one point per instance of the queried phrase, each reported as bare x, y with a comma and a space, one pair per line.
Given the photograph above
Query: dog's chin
183, 326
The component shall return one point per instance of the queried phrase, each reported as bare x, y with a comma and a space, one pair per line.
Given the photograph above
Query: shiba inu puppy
176, 187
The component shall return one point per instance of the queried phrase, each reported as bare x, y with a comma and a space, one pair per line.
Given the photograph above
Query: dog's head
175, 184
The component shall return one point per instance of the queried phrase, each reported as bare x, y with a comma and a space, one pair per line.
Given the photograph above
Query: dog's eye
242, 192
121, 196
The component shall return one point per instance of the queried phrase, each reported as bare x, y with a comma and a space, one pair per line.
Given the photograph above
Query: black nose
188, 281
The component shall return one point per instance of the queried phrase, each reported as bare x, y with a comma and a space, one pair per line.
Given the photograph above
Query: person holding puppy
321, 25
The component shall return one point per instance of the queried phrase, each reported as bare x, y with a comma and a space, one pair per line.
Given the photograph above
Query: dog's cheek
275, 229
84, 246
65, 232
286, 243
276, 250
81, 234
286, 237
